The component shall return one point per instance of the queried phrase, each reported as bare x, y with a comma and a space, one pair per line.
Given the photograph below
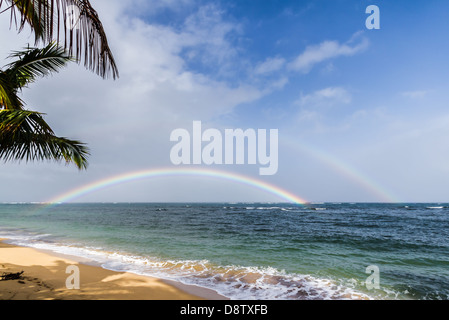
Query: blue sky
362, 114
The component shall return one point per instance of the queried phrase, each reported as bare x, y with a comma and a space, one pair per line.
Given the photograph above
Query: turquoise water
253, 251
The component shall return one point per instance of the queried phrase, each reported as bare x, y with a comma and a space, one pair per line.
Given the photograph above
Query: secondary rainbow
344, 168
164, 172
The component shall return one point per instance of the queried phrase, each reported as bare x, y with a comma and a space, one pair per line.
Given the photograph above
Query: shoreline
45, 276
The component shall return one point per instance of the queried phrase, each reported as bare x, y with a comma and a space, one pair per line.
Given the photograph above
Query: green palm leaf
8, 93
35, 62
29, 65
24, 135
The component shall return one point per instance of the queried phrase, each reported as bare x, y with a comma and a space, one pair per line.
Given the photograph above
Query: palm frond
8, 93
29, 14
87, 41
36, 62
91, 38
24, 135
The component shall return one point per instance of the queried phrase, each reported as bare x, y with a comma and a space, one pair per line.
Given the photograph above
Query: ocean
254, 251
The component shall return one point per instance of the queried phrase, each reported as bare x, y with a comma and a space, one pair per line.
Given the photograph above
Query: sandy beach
45, 276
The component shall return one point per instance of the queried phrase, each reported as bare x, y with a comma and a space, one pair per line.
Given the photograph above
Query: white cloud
270, 65
325, 51
325, 97
206, 35
280, 83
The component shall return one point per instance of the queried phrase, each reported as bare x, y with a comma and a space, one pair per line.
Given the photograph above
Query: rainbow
343, 168
165, 172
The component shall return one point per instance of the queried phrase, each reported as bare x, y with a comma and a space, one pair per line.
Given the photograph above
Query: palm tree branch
29, 14
86, 42
16, 121
8, 93
24, 135
35, 62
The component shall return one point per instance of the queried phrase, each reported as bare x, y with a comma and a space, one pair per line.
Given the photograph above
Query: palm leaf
24, 135
29, 14
87, 42
35, 62
8, 93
